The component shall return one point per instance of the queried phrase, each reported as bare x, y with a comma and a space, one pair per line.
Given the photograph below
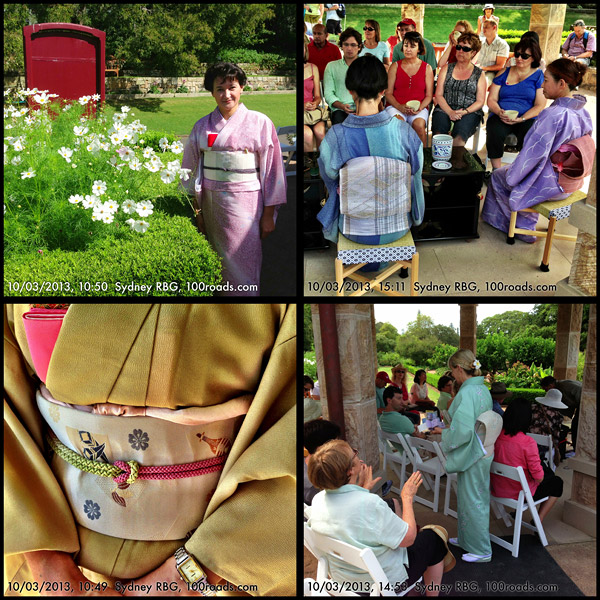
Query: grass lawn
178, 115
440, 20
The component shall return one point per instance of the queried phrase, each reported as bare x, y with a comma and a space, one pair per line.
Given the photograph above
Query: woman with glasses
394, 39
346, 511
558, 152
373, 44
449, 54
399, 379
517, 88
411, 79
460, 93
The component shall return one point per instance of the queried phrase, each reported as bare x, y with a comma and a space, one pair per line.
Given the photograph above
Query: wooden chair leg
544, 266
339, 276
414, 273
510, 238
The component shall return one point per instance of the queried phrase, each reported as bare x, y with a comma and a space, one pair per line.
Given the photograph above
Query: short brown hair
471, 39
414, 37
328, 467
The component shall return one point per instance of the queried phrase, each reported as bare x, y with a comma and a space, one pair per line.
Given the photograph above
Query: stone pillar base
581, 517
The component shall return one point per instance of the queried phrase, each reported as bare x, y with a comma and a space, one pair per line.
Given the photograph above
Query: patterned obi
221, 165
138, 500
374, 196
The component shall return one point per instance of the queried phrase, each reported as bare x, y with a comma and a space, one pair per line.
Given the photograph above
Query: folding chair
524, 502
286, 147
432, 466
363, 559
546, 442
451, 482
398, 461
553, 211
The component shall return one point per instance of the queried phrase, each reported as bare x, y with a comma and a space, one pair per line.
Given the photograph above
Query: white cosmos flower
185, 174
108, 218
90, 201
141, 226
95, 97
66, 153
163, 143
76, 199
118, 117
16, 160
148, 152
111, 206
128, 207
167, 176
135, 164
18, 145
173, 165
105, 146
152, 167
80, 130
144, 208
177, 147
126, 153
93, 147
28, 174
84, 100
115, 138
96, 217
99, 187
125, 109
42, 98
29, 120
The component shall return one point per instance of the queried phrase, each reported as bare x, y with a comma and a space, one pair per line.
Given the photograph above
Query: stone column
416, 12
468, 327
568, 333
580, 510
547, 21
582, 278
357, 348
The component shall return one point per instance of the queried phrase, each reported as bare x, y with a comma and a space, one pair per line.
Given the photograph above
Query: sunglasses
368, 28
463, 48
522, 55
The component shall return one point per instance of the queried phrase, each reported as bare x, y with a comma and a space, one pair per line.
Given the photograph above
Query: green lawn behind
439, 21
178, 115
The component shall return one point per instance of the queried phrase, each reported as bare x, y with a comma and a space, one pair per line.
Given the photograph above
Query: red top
410, 88
392, 41
516, 451
452, 56
322, 56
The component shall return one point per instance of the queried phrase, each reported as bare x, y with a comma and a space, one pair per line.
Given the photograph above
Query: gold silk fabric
166, 356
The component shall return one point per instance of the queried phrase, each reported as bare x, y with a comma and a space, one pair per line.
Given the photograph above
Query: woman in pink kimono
237, 178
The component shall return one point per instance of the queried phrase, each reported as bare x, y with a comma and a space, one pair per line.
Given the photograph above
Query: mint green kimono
467, 458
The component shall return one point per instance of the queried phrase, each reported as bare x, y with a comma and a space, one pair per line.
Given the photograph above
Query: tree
509, 323
386, 337
309, 342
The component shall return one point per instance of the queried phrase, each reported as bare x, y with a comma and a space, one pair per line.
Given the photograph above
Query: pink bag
42, 326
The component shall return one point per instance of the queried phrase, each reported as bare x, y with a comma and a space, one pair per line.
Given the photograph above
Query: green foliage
493, 351
509, 323
309, 342
310, 364
440, 356
145, 259
388, 359
521, 376
267, 61
386, 337
152, 139
527, 394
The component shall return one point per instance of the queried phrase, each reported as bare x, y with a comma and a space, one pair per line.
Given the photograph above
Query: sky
400, 315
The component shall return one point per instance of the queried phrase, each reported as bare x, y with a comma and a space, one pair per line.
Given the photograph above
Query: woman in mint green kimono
467, 457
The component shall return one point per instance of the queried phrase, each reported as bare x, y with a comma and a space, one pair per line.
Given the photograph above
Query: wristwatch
191, 572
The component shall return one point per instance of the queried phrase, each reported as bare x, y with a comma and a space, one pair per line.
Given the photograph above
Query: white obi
145, 509
222, 165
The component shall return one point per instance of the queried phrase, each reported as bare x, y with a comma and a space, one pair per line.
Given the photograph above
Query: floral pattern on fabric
219, 446
54, 413
139, 439
92, 510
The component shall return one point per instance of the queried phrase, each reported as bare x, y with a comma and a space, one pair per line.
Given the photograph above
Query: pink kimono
232, 208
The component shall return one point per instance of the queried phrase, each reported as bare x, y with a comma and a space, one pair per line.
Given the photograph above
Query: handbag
312, 117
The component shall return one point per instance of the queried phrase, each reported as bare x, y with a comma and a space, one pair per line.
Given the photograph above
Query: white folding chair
546, 442
524, 502
398, 461
363, 559
451, 482
432, 466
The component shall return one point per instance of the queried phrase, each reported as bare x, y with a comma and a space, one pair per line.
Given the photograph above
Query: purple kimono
232, 209
531, 179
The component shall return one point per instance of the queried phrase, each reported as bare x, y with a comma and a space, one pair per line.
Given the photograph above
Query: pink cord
201, 467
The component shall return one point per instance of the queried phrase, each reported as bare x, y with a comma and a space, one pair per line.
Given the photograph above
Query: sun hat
449, 560
553, 399
498, 391
488, 6
383, 375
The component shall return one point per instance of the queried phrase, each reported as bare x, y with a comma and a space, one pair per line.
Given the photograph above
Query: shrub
528, 394
152, 139
109, 264
388, 359
264, 60
440, 356
310, 364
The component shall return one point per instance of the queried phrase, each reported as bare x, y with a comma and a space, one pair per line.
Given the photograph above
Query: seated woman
419, 393
516, 449
546, 419
533, 177
373, 44
346, 511
516, 88
460, 93
411, 79
449, 55
314, 124
364, 134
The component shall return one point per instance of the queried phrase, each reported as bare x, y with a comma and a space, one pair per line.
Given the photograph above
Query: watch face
191, 571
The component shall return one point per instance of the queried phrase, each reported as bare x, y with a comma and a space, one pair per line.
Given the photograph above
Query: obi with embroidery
139, 473
374, 195
233, 166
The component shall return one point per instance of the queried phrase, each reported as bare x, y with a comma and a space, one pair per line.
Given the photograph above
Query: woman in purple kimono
237, 178
532, 178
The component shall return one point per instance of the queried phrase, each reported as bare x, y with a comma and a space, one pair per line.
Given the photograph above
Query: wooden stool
402, 253
553, 211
